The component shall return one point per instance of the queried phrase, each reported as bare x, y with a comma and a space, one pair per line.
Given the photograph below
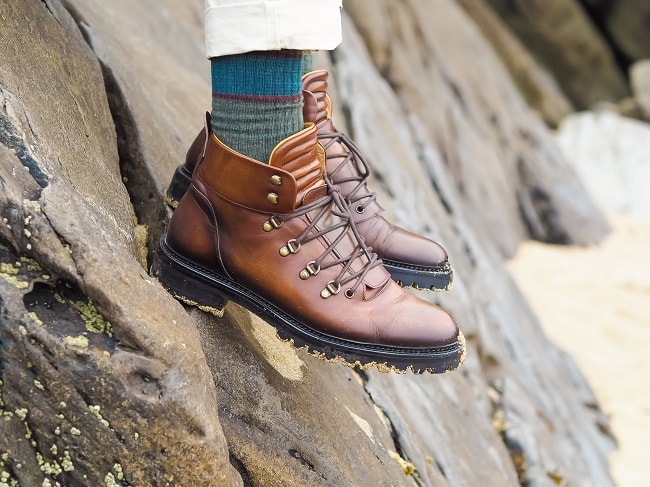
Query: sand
595, 304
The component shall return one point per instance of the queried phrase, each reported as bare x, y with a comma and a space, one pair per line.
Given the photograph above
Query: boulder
540, 90
103, 380
640, 81
498, 153
563, 38
612, 155
626, 22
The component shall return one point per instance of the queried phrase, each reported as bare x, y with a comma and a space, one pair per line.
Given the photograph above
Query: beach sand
595, 304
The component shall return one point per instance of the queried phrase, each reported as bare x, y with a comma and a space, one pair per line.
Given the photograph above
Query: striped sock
257, 100
307, 62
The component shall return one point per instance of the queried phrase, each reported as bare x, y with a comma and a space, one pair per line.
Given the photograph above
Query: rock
514, 374
612, 155
499, 154
291, 419
103, 377
538, 87
640, 81
446, 142
134, 63
640, 78
563, 38
626, 22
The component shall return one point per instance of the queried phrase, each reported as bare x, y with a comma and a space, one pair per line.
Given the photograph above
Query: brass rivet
331, 289
284, 251
273, 198
271, 223
293, 246
276, 180
304, 274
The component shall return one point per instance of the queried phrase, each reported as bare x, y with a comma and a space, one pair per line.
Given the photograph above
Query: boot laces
360, 194
335, 203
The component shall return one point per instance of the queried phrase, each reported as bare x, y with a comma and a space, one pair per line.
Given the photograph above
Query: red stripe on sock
257, 98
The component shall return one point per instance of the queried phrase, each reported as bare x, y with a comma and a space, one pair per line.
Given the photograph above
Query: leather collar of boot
315, 81
303, 157
275, 188
317, 104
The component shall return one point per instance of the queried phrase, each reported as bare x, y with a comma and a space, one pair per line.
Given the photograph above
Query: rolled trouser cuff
264, 25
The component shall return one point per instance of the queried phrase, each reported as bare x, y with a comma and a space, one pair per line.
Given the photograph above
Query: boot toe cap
417, 324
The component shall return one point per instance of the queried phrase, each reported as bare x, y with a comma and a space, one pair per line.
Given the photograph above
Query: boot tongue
317, 105
317, 108
302, 157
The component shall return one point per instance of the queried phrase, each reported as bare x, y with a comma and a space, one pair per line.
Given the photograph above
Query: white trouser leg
237, 26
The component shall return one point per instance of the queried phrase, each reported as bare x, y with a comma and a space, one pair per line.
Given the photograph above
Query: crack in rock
11, 138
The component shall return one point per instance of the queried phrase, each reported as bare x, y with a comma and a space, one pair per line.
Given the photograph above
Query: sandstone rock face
640, 81
563, 38
103, 378
626, 21
499, 155
106, 380
538, 87
612, 153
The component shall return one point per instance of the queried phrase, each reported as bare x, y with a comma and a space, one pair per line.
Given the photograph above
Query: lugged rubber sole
211, 291
439, 278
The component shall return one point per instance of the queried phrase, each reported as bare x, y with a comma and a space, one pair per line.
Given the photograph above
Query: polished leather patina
280, 231
347, 169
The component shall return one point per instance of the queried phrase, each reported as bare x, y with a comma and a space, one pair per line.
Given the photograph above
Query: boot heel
178, 186
185, 285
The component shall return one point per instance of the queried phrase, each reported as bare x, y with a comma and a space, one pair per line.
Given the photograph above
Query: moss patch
95, 322
66, 312
9, 272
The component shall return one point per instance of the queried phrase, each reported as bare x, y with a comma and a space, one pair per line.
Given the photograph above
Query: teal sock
257, 100
307, 62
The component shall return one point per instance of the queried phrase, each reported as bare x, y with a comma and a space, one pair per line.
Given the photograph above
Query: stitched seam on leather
215, 231
219, 195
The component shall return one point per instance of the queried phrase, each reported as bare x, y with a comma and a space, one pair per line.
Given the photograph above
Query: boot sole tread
211, 291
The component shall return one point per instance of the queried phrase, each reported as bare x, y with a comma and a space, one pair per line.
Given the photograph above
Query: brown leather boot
411, 259
277, 240
183, 175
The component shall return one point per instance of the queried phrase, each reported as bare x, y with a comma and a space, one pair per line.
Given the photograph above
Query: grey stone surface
538, 87
291, 419
561, 35
84, 401
497, 153
513, 373
612, 155
627, 23
157, 82
456, 154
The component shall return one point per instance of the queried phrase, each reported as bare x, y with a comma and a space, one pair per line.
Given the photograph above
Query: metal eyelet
349, 294
292, 247
276, 180
271, 224
311, 269
273, 198
331, 289
360, 209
